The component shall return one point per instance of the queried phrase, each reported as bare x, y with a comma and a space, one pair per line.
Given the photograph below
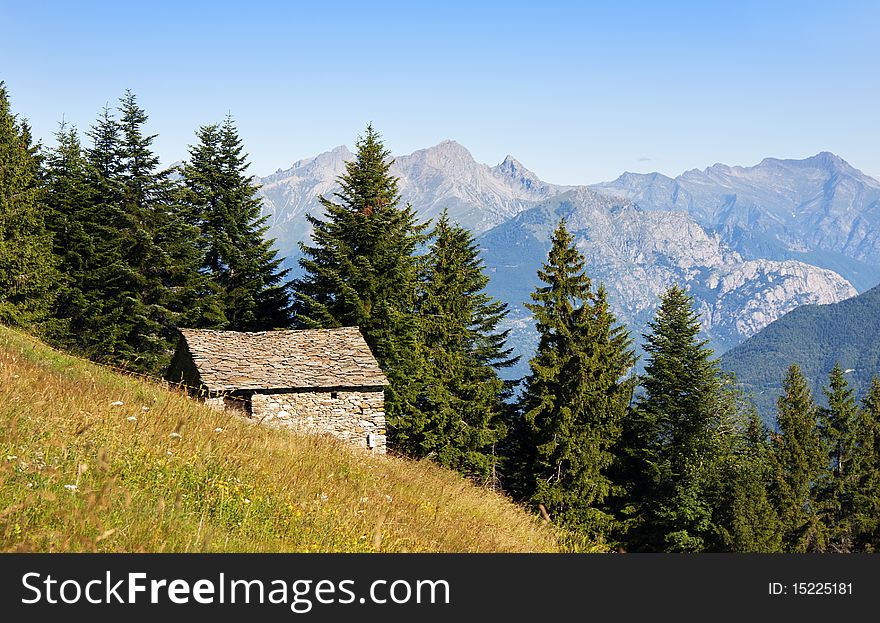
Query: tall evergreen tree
566, 288
70, 200
221, 200
463, 401
837, 488
156, 245
361, 269
799, 460
28, 269
105, 276
865, 472
170, 289
575, 395
673, 433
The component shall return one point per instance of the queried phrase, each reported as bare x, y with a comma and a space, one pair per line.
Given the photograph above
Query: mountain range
444, 176
820, 210
751, 243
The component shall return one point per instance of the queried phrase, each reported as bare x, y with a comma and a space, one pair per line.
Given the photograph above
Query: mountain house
314, 380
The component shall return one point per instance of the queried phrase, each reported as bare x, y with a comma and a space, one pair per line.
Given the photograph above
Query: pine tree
28, 270
361, 269
865, 472
221, 201
672, 437
553, 308
745, 515
574, 397
799, 460
105, 277
70, 200
105, 153
170, 290
602, 393
837, 488
462, 406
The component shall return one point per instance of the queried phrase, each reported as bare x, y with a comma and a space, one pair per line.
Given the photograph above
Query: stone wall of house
357, 417
215, 402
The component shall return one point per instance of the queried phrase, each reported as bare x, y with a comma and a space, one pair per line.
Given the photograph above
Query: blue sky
578, 91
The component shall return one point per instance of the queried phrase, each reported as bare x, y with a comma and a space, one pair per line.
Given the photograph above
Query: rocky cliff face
750, 295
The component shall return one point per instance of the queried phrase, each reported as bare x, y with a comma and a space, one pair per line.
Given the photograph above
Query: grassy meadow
93, 460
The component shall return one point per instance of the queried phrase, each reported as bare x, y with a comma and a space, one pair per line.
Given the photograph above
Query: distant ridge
820, 209
815, 337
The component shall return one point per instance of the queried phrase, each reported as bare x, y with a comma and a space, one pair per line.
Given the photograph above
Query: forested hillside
816, 337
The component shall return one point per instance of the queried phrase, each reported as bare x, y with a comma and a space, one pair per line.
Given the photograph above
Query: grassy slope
163, 473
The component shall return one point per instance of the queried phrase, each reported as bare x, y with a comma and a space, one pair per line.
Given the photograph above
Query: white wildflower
145, 409
324, 497
218, 430
71, 487
116, 403
247, 501
389, 498
131, 418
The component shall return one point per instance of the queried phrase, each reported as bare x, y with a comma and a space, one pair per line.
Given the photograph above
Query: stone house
313, 380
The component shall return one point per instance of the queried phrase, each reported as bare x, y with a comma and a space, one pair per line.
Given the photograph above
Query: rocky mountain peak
341, 150
628, 179
513, 170
511, 166
444, 155
329, 163
827, 159
824, 161
333, 157
832, 164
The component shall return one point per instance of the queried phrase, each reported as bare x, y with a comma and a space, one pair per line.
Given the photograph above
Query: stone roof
302, 359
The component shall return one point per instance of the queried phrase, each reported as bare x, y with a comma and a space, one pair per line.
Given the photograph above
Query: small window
334, 395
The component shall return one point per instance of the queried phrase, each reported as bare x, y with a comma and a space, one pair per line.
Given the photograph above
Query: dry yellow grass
161, 473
